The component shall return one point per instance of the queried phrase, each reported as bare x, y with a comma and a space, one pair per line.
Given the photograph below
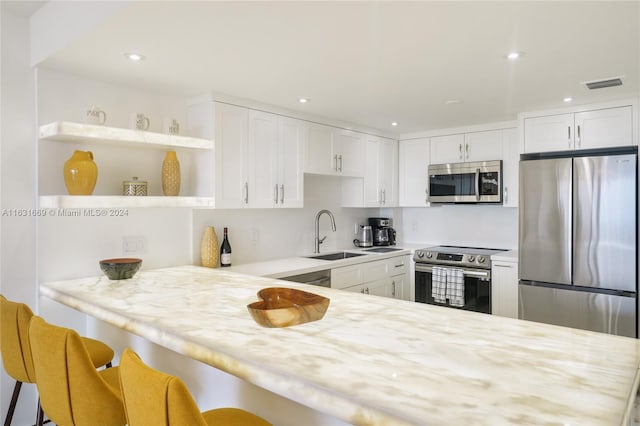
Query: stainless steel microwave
473, 182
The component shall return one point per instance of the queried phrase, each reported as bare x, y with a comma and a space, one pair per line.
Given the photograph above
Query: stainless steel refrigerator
578, 240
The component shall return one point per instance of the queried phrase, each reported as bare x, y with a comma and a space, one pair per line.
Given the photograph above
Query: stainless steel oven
473, 264
473, 182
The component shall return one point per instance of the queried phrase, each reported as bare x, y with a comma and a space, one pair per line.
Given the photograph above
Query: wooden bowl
283, 307
120, 269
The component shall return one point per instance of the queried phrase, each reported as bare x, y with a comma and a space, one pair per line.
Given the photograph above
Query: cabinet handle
362, 291
275, 194
466, 150
340, 157
460, 150
579, 137
246, 192
384, 196
400, 265
502, 266
335, 161
393, 288
506, 194
569, 135
282, 194
366, 290
426, 193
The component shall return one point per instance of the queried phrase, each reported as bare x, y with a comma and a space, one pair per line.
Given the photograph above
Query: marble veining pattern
375, 360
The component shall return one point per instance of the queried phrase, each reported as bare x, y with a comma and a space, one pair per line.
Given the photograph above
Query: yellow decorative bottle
209, 252
171, 174
80, 173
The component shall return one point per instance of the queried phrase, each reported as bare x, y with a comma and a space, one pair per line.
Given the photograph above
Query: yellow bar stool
16, 349
152, 397
72, 391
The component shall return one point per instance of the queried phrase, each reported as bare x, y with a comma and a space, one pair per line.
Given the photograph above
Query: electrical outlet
134, 245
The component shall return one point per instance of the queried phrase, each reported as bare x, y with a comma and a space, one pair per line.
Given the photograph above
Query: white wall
464, 225
263, 234
18, 273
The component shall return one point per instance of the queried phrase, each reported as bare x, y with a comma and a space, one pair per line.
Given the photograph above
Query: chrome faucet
317, 240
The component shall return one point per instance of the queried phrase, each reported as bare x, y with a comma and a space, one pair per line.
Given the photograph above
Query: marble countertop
374, 360
289, 266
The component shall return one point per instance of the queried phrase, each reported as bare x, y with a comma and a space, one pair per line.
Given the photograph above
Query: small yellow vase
171, 174
80, 173
209, 252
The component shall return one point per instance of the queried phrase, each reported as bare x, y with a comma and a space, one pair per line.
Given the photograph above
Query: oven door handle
466, 272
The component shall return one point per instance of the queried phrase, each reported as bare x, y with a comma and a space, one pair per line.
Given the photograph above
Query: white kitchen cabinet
504, 288
258, 159
387, 277
333, 151
413, 176
381, 171
600, 128
275, 177
232, 145
463, 147
510, 168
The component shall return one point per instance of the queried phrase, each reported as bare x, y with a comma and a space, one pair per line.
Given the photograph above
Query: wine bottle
225, 251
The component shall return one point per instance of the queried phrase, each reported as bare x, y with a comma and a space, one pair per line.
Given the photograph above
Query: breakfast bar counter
374, 360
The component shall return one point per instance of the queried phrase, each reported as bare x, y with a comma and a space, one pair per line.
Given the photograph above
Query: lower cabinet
504, 288
388, 277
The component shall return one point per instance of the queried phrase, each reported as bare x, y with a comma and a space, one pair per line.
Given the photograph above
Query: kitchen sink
336, 256
383, 249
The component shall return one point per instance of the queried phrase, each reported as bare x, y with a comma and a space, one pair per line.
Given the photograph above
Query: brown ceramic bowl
120, 269
283, 307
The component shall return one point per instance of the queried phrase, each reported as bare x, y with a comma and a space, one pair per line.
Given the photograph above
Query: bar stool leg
12, 405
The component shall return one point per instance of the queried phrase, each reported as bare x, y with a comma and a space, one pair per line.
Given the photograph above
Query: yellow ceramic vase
171, 174
209, 252
80, 173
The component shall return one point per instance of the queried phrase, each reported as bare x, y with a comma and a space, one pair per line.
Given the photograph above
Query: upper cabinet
413, 177
476, 146
381, 174
258, 158
598, 128
333, 151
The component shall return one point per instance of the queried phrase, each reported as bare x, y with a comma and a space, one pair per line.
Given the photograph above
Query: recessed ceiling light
514, 55
134, 56
303, 100
395, 123
567, 99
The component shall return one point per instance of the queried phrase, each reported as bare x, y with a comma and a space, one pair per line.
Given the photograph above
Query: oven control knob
481, 259
472, 258
429, 255
420, 254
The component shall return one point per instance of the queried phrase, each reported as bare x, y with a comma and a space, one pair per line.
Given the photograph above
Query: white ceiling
371, 63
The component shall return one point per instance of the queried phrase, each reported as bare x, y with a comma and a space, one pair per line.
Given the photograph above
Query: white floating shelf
77, 132
119, 201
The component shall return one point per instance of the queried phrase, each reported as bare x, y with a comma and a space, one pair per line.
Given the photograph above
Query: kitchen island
375, 360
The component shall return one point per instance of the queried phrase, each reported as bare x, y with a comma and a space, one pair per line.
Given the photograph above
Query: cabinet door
231, 128
378, 288
504, 289
290, 174
511, 158
263, 159
373, 172
400, 284
319, 150
549, 133
346, 276
483, 146
603, 128
413, 178
351, 152
389, 173
447, 149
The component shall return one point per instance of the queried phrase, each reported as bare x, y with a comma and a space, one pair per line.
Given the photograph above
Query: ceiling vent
600, 84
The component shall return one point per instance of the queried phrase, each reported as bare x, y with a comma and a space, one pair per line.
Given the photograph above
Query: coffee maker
383, 232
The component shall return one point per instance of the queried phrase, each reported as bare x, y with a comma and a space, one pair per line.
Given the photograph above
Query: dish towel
439, 284
455, 287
